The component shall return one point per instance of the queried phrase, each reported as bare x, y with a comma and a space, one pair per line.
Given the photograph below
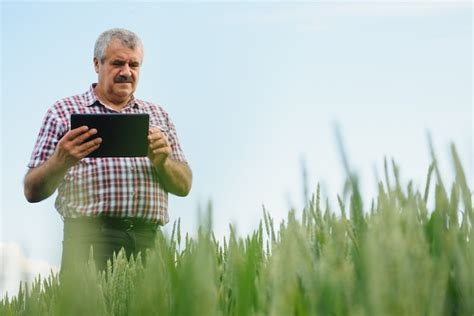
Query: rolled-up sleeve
49, 135
176, 151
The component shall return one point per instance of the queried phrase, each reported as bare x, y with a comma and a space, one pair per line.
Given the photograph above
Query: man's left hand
159, 148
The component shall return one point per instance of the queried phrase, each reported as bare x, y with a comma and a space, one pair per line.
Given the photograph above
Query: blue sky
254, 89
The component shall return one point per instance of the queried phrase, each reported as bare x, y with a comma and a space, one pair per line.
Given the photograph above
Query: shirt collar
92, 99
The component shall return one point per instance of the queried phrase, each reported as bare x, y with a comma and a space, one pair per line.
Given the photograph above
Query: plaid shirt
115, 187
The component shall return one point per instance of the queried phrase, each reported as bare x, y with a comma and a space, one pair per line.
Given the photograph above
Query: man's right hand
42, 181
73, 146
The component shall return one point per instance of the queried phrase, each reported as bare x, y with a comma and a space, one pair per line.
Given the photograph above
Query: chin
123, 92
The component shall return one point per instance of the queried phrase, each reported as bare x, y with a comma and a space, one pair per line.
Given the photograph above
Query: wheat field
391, 256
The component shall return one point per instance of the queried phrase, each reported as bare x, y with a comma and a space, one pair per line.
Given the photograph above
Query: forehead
116, 50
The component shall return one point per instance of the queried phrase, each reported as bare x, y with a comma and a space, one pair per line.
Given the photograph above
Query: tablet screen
123, 135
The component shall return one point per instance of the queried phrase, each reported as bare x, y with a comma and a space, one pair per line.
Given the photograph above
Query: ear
96, 65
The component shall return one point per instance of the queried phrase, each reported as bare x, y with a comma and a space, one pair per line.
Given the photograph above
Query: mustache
123, 79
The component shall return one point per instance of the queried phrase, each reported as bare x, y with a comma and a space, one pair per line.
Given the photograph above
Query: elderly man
107, 203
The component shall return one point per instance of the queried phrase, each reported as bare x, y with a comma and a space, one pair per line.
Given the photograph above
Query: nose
125, 70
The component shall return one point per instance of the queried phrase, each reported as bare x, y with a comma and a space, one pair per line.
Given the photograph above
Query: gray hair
126, 37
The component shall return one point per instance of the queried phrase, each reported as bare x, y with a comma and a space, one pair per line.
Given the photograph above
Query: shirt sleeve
50, 133
176, 151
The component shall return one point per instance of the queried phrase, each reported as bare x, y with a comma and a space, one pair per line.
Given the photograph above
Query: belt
125, 224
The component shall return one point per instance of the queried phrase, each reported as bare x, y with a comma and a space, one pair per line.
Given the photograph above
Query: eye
134, 65
117, 63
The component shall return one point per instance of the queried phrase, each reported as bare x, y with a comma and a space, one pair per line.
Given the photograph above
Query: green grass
395, 257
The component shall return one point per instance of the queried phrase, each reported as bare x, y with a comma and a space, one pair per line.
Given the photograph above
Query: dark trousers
106, 236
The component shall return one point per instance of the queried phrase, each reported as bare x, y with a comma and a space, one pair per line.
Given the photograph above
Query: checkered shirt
115, 187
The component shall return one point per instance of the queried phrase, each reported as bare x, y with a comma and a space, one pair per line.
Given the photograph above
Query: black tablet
123, 135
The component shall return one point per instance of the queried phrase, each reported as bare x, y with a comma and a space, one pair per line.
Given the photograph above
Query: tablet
123, 135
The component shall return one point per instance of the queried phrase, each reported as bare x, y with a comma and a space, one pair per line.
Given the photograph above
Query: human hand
73, 146
158, 147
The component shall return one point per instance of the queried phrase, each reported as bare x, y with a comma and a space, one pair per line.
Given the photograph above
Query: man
107, 203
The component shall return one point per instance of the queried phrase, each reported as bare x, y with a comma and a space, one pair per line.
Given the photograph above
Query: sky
255, 91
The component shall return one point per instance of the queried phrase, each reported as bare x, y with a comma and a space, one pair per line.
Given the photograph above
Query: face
118, 73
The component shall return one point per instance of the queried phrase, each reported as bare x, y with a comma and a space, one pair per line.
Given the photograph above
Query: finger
83, 137
158, 144
91, 149
156, 134
155, 137
158, 141
72, 134
162, 150
152, 130
92, 143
